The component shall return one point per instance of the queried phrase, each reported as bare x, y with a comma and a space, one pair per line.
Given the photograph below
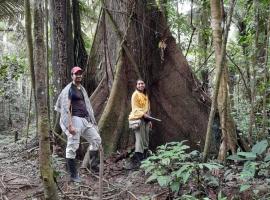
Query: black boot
139, 157
145, 154
134, 162
94, 161
71, 165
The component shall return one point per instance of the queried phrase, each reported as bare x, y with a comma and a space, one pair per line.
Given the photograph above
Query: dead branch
101, 169
18, 175
156, 196
115, 195
88, 187
1, 181
82, 196
5, 197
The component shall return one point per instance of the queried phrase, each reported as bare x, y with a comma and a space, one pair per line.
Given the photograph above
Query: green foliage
257, 150
11, 68
172, 166
254, 164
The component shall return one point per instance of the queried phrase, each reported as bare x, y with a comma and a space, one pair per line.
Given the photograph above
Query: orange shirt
139, 105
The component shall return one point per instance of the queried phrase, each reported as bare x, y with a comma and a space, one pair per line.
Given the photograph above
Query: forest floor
20, 178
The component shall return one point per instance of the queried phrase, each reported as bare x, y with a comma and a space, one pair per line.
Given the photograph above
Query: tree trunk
47, 60
263, 132
80, 54
62, 56
203, 41
46, 171
62, 47
28, 27
136, 33
28, 116
220, 96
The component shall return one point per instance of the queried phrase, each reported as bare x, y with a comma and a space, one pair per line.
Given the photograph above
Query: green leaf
244, 188
175, 186
260, 147
163, 181
187, 175
165, 161
212, 166
248, 170
267, 158
235, 157
247, 155
180, 171
151, 178
149, 169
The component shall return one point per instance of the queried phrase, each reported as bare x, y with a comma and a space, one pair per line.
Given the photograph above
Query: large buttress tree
132, 40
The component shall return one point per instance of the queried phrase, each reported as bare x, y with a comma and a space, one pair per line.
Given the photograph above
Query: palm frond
11, 8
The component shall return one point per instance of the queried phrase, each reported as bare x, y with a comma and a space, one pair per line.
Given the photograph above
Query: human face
77, 77
140, 85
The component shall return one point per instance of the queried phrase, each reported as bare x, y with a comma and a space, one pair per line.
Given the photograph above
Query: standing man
77, 119
140, 106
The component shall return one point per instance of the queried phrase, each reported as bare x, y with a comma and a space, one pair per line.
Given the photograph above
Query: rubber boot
74, 176
94, 161
135, 162
145, 154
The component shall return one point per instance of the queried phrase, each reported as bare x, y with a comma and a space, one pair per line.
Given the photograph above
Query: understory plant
256, 165
174, 167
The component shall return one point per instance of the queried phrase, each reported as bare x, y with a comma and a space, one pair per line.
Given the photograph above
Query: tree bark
80, 54
47, 60
220, 96
263, 132
28, 27
62, 45
253, 80
62, 48
137, 30
203, 41
46, 171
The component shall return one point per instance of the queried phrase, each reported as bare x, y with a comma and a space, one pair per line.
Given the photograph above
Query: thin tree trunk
28, 116
47, 61
46, 172
203, 41
28, 27
253, 72
220, 52
263, 132
178, 26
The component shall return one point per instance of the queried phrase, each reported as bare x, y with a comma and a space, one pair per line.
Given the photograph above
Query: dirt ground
19, 177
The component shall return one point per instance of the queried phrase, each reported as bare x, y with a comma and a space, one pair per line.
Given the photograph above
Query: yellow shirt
139, 105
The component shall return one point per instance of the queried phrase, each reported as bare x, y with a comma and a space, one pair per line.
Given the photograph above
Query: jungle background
205, 64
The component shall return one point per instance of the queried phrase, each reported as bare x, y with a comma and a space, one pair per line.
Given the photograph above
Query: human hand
150, 125
146, 115
96, 127
71, 130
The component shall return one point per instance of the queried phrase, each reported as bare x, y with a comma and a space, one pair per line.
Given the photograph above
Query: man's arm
71, 128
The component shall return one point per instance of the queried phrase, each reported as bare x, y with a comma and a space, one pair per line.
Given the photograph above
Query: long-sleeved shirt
140, 105
62, 107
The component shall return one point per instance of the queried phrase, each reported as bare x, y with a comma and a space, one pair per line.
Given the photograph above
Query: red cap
75, 69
